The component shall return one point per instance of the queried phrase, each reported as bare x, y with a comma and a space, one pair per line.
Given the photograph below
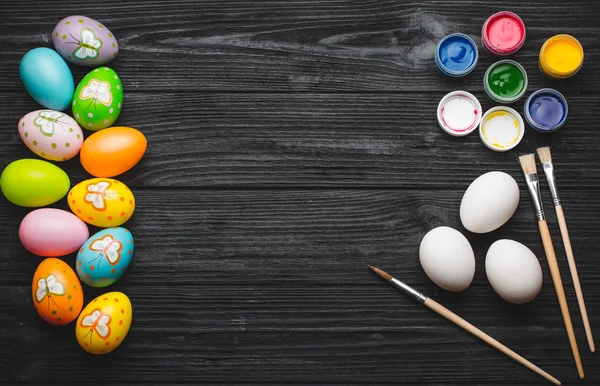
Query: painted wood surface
290, 145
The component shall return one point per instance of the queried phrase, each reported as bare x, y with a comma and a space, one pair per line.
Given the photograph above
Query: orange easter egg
112, 151
56, 291
102, 202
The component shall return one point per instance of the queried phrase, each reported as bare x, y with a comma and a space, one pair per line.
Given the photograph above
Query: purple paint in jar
546, 110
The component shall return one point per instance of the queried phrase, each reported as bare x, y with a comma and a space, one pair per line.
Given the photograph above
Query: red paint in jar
503, 33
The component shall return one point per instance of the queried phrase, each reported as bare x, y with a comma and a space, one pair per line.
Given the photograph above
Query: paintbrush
451, 316
527, 162
546, 158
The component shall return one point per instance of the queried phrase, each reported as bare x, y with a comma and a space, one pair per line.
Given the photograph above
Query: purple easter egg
84, 41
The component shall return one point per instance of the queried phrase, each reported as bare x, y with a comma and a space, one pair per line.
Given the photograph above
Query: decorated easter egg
103, 258
98, 99
112, 151
47, 78
104, 323
56, 292
102, 202
51, 134
84, 41
52, 232
33, 183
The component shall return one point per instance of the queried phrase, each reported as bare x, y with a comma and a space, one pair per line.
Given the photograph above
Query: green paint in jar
505, 81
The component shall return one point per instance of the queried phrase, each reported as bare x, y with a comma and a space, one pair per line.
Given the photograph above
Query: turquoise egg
47, 78
104, 257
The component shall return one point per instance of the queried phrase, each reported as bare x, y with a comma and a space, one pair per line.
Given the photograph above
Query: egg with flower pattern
84, 41
103, 202
51, 134
104, 257
98, 99
56, 292
104, 323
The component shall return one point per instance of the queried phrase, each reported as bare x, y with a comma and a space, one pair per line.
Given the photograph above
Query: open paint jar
501, 128
546, 110
456, 55
459, 113
503, 33
561, 56
505, 81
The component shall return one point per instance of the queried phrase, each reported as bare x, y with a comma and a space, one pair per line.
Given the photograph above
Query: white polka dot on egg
110, 111
90, 115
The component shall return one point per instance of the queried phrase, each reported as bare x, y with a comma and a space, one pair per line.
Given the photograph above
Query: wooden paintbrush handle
560, 292
574, 275
451, 316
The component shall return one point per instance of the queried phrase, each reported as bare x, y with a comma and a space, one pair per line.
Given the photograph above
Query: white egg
513, 271
447, 258
489, 202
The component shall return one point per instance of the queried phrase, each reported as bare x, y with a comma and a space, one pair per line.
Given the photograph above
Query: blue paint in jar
456, 55
546, 110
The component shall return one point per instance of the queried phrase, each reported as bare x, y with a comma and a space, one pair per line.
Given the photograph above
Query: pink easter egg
50, 134
52, 232
84, 41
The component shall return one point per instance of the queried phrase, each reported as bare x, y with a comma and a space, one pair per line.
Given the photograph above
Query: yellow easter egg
104, 323
103, 202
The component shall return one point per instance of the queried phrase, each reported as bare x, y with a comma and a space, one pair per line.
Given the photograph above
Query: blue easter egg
104, 257
47, 78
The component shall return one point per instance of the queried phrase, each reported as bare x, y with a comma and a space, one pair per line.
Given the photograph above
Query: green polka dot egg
98, 99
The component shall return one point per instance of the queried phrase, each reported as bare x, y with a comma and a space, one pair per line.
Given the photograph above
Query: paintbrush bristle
544, 154
527, 162
379, 272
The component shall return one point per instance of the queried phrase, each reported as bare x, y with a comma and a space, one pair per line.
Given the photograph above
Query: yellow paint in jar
561, 56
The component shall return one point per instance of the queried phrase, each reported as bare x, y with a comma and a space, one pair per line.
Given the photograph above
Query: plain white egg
489, 202
447, 258
513, 271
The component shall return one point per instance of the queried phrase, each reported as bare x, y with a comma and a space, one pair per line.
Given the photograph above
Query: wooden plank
341, 334
317, 46
319, 140
265, 237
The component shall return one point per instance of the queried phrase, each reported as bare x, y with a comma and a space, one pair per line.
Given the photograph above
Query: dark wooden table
290, 145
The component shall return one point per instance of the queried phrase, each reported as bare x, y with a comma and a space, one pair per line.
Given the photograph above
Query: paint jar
501, 128
503, 33
546, 110
561, 56
456, 55
459, 113
505, 81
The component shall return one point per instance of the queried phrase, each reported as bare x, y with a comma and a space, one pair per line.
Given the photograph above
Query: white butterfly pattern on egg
109, 247
45, 121
97, 322
89, 45
97, 90
96, 194
48, 286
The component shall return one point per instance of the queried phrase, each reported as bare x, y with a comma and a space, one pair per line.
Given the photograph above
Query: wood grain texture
290, 144
321, 140
315, 45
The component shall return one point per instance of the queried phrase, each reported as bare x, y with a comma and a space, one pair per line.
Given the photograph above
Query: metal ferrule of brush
533, 183
419, 297
549, 171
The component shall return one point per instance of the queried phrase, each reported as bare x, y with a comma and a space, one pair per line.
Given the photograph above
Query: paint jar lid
503, 33
459, 113
546, 110
505, 81
561, 56
501, 128
456, 55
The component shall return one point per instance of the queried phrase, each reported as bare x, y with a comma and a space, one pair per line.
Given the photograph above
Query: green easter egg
33, 183
98, 99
